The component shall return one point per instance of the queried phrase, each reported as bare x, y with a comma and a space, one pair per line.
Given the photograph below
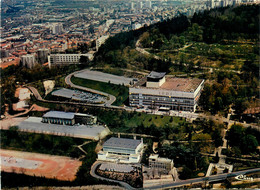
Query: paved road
203, 179
68, 82
93, 174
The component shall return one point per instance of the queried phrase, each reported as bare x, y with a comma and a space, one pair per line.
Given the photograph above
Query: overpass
212, 178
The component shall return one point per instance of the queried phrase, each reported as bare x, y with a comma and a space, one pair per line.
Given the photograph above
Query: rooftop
59, 114
156, 75
34, 124
175, 84
122, 143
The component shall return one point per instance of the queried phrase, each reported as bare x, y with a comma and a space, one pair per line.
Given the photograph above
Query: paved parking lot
103, 77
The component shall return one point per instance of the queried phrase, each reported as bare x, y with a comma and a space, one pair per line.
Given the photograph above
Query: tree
249, 144
84, 60
186, 173
235, 133
217, 138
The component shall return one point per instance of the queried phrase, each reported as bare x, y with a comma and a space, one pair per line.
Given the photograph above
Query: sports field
59, 167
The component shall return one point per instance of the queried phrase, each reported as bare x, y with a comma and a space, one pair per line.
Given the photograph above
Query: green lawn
148, 119
119, 91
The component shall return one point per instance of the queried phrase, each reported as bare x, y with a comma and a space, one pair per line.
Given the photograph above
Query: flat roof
156, 75
173, 83
122, 143
34, 124
59, 114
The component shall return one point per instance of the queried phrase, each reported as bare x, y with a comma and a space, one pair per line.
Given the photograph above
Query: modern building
121, 150
28, 61
139, 5
164, 165
36, 125
57, 28
101, 41
42, 55
68, 118
66, 59
157, 90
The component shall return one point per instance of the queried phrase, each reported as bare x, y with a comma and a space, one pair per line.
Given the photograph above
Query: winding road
68, 82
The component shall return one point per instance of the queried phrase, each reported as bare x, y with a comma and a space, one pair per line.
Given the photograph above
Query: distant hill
214, 26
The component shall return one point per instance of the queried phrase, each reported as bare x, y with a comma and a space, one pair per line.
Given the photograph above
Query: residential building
28, 61
121, 150
101, 41
57, 28
66, 59
42, 55
157, 90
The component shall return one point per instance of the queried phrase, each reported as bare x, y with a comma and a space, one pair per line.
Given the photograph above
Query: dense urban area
130, 94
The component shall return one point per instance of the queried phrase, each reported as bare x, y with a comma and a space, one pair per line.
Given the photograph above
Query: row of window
162, 98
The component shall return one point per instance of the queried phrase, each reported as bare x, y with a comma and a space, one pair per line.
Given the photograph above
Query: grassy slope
119, 91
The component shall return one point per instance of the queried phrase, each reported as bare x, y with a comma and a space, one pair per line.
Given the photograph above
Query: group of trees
231, 89
229, 23
13, 75
42, 143
186, 157
243, 140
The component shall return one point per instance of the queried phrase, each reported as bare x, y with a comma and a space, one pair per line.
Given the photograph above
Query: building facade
164, 165
121, 150
42, 55
28, 60
157, 90
68, 118
66, 59
101, 41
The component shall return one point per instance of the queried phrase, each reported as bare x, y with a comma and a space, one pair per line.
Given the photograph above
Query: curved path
93, 174
39, 98
210, 69
68, 82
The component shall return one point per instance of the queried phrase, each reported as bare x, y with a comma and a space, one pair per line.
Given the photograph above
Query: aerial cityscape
139, 94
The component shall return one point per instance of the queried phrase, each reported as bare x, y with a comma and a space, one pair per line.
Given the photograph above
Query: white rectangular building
66, 59
121, 150
157, 90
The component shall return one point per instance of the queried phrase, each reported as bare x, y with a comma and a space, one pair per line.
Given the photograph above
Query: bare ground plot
59, 167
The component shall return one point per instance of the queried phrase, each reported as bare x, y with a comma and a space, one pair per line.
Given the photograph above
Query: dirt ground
59, 167
89, 187
6, 123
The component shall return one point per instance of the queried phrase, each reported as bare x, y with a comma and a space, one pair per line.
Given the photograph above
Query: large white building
101, 41
28, 60
66, 59
159, 91
42, 55
121, 150
57, 28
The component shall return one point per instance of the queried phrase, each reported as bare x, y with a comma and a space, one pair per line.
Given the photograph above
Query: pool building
121, 150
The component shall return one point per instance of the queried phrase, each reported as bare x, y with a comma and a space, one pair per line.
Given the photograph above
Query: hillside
223, 27
220, 45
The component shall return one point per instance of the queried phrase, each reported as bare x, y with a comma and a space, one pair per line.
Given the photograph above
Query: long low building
35, 124
68, 118
157, 90
66, 59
